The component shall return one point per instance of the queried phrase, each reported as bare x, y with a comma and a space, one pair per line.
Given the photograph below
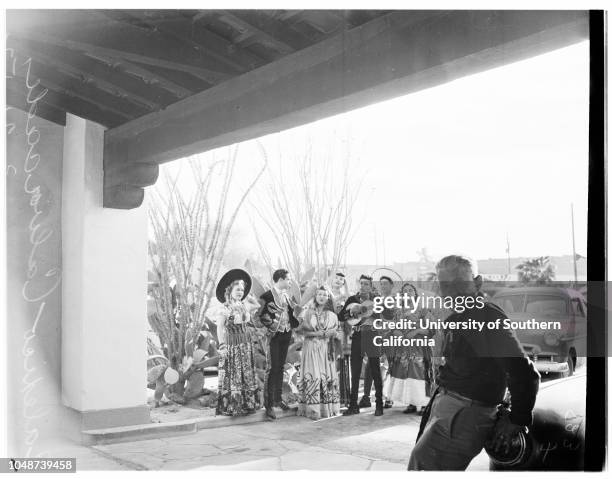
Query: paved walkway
362, 442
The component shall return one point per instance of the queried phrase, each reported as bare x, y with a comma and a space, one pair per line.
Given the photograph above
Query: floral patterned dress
238, 393
319, 394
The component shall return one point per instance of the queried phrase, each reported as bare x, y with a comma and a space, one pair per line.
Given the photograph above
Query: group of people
337, 331
408, 375
332, 351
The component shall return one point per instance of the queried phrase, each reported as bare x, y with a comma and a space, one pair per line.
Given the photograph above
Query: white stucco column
104, 257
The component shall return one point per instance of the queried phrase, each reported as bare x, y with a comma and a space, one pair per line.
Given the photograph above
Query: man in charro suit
362, 345
278, 315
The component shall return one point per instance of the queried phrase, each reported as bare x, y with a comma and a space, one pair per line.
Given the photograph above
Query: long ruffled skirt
238, 391
319, 394
406, 381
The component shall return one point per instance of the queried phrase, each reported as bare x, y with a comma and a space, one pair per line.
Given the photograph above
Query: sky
457, 168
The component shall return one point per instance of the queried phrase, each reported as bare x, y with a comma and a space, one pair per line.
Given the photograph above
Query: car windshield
546, 305
511, 304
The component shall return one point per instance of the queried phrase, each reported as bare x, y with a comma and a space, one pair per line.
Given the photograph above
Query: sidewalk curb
142, 432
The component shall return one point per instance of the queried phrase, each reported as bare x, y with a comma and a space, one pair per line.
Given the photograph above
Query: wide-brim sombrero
228, 278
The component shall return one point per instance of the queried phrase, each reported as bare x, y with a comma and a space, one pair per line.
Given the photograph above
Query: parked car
555, 440
552, 351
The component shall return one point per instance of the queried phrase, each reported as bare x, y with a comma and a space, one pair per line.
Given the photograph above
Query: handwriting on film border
572, 423
37, 280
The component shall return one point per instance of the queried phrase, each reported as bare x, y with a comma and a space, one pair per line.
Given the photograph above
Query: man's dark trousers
279, 345
367, 380
357, 354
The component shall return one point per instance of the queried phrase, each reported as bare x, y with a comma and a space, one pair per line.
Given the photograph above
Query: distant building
496, 269
492, 269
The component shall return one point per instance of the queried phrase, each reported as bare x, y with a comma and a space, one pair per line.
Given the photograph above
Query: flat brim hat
228, 278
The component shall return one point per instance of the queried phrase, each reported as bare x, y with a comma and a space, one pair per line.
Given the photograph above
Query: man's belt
473, 402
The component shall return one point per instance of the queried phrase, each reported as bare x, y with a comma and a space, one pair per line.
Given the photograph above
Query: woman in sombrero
238, 393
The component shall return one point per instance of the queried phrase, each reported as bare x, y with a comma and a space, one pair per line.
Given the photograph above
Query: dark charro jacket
268, 317
480, 365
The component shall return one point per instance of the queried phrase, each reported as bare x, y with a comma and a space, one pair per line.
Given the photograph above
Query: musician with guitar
279, 315
358, 311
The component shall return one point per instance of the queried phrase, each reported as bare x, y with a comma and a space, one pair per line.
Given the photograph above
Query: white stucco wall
104, 289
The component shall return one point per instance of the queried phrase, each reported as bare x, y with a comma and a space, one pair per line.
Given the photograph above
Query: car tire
570, 365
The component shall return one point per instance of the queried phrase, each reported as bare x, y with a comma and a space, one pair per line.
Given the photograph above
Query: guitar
360, 312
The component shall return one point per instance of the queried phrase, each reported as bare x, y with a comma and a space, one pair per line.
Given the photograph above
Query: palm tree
536, 271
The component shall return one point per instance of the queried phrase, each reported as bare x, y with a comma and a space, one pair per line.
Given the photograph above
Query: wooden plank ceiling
112, 66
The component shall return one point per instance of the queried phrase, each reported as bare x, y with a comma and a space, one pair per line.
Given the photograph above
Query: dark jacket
480, 365
268, 317
363, 333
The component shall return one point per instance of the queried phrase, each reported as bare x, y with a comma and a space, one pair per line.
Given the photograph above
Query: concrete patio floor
361, 443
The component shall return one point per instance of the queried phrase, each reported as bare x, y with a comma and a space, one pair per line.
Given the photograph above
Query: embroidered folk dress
318, 387
238, 391
406, 382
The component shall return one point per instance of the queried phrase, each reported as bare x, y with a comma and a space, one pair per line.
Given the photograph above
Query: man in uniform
479, 365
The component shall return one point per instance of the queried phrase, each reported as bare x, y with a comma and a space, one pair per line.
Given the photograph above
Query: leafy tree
536, 271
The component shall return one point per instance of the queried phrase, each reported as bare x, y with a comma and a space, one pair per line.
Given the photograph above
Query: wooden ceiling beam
72, 87
135, 174
399, 53
160, 28
72, 93
251, 33
85, 77
16, 97
290, 34
123, 197
84, 109
290, 14
205, 74
343, 17
148, 76
205, 35
76, 106
212, 49
198, 33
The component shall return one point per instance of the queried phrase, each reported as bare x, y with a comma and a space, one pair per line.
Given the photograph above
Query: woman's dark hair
329, 305
279, 274
387, 278
412, 287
